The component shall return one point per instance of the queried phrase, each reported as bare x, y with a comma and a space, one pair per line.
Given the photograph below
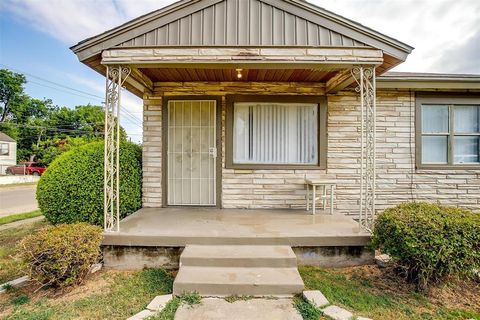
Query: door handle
212, 151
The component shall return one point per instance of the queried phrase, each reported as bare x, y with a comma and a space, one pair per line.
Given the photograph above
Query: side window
450, 133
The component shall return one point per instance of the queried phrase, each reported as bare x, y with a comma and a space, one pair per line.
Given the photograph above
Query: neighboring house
8, 152
244, 100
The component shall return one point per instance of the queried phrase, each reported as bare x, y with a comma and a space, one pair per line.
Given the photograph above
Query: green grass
308, 311
126, 296
363, 295
10, 266
168, 313
20, 216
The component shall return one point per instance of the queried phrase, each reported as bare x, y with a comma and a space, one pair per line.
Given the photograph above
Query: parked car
24, 168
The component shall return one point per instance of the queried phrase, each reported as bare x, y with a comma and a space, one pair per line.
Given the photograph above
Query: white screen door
191, 152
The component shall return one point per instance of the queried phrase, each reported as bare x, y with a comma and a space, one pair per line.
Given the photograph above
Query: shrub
60, 256
429, 242
71, 190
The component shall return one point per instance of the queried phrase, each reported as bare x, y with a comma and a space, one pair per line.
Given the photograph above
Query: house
246, 99
8, 152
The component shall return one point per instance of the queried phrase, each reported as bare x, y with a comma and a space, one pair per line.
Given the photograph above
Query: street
17, 199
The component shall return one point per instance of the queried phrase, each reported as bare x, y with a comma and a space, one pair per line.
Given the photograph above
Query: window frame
450, 100
8, 149
321, 101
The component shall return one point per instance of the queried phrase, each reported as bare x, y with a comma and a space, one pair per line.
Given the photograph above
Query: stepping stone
253, 309
17, 283
142, 315
95, 267
382, 260
337, 313
316, 298
159, 302
363, 318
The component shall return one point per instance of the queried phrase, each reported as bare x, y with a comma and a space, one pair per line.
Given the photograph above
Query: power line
132, 119
83, 94
52, 82
65, 91
54, 128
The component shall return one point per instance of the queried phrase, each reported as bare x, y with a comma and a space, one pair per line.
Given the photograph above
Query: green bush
71, 190
59, 256
429, 242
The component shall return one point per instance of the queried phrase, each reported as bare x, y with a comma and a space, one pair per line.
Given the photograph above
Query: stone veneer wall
397, 178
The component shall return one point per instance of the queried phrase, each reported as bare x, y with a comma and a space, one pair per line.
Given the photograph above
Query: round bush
429, 242
62, 255
71, 189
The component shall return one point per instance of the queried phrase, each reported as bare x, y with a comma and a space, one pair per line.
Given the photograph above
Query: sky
35, 36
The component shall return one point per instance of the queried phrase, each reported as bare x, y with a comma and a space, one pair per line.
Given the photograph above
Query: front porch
157, 237
179, 226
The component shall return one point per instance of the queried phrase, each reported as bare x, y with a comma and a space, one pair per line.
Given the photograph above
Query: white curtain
435, 120
275, 133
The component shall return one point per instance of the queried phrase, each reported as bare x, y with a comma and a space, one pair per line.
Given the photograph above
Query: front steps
224, 270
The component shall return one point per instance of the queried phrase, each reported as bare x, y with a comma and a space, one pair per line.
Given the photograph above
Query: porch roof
278, 25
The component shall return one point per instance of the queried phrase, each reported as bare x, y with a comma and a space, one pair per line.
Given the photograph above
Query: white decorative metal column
366, 87
115, 77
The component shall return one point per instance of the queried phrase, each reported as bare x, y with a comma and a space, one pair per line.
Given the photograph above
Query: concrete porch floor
179, 226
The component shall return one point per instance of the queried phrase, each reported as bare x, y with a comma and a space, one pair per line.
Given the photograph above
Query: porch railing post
115, 77
366, 87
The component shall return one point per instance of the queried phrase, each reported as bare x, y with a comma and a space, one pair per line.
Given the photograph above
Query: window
4, 151
275, 134
450, 133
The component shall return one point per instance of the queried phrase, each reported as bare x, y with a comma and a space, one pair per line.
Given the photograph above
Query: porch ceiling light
239, 73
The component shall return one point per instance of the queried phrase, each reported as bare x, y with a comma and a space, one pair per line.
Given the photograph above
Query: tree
11, 92
43, 130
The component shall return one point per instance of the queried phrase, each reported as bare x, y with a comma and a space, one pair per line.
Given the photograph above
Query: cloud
71, 21
464, 58
433, 27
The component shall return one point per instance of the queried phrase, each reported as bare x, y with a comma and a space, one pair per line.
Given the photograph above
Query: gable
241, 23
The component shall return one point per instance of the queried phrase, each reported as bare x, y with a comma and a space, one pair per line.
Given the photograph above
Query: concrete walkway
254, 309
20, 223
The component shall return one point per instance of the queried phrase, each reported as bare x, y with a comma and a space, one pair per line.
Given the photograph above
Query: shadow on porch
177, 227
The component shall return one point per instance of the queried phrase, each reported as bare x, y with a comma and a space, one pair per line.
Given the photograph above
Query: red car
33, 168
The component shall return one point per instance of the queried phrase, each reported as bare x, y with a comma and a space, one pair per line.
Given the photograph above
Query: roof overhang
429, 81
127, 44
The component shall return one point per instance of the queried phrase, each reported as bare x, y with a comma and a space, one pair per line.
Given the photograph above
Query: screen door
191, 152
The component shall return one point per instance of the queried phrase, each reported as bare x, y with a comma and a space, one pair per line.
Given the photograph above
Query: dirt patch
457, 294
97, 283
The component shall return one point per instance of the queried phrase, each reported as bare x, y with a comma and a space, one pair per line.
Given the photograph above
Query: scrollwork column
115, 77
366, 87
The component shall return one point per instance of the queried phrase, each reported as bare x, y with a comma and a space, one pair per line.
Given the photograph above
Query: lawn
380, 294
107, 294
20, 216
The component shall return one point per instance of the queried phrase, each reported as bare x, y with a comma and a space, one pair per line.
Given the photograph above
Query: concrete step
238, 256
225, 281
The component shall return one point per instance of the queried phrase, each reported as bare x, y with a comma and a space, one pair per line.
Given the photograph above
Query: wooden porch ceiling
331, 66
258, 75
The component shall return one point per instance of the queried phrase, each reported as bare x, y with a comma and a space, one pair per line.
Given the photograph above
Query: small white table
324, 185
